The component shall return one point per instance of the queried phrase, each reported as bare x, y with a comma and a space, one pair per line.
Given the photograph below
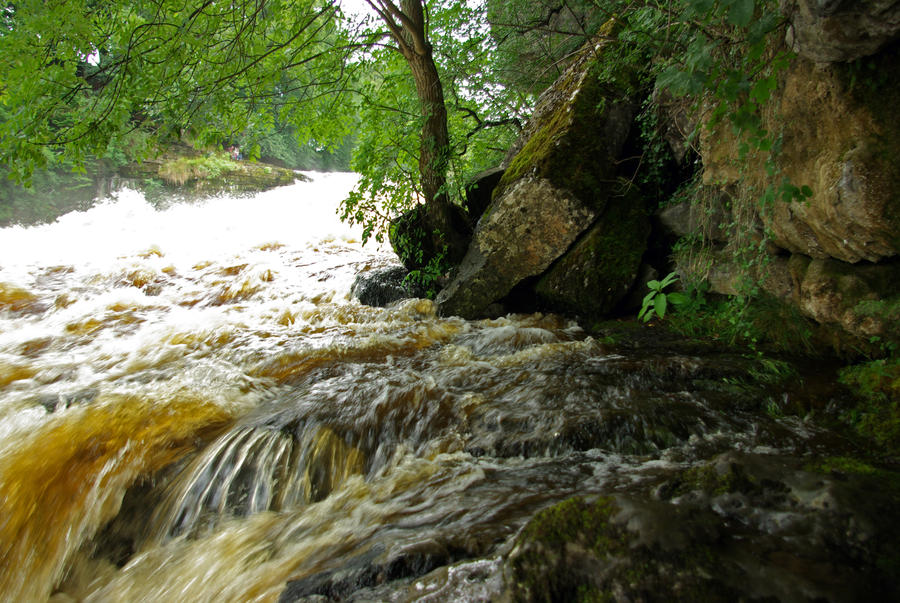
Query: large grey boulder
526, 229
600, 269
554, 187
826, 31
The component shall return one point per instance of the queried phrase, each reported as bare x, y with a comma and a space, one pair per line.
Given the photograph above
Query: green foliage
756, 322
482, 117
183, 169
657, 301
878, 414
166, 69
430, 275
533, 39
282, 147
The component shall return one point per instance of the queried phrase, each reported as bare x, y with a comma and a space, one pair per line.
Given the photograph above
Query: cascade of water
252, 469
193, 408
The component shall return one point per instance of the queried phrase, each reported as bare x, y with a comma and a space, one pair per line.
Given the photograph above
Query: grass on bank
183, 169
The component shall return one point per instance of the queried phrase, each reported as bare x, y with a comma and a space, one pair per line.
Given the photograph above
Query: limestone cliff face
836, 255
826, 31
838, 135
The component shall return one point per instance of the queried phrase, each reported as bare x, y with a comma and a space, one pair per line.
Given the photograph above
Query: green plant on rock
657, 300
429, 275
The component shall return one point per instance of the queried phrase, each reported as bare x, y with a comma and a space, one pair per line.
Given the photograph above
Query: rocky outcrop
680, 544
837, 137
832, 256
556, 184
525, 230
841, 30
861, 301
858, 299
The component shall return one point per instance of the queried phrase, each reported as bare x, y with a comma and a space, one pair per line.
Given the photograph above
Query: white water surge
208, 358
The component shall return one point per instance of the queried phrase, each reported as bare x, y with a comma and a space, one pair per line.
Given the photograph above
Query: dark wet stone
370, 569
750, 527
479, 192
380, 288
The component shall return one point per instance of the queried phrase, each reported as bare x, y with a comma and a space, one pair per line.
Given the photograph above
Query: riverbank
180, 172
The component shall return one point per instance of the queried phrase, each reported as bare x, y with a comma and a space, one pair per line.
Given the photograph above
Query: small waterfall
254, 469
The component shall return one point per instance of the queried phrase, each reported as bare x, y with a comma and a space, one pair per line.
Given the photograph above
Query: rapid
194, 408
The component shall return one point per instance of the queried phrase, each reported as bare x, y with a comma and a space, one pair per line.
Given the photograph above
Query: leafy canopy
84, 74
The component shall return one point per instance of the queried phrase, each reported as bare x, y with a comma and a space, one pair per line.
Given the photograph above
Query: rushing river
193, 408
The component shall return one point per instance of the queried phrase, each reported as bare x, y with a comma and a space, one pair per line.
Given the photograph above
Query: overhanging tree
79, 75
463, 122
85, 74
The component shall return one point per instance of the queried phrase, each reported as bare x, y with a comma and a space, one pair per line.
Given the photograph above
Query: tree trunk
408, 27
434, 154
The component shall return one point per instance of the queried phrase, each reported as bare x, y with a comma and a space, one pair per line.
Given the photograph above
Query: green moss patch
577, 551
571, 145
877, 416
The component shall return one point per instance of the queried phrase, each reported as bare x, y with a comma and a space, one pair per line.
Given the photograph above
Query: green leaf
806, 191
660, 305
670, 278
677, 298
741, 13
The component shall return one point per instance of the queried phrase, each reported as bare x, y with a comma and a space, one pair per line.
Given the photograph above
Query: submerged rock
380, 288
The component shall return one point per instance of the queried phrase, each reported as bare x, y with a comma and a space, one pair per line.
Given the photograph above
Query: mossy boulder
556, 183
740, 527
598, 271
581, 550
416, 244
877, 415
862, 300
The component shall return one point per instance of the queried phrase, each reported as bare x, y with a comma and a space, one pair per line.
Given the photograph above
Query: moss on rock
577, 131
601, 267
877, 415
578, 550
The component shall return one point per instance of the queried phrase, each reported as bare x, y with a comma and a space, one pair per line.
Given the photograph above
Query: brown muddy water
193, 408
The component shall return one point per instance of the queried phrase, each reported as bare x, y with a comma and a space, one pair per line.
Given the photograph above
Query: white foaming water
127, 225
123, 293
